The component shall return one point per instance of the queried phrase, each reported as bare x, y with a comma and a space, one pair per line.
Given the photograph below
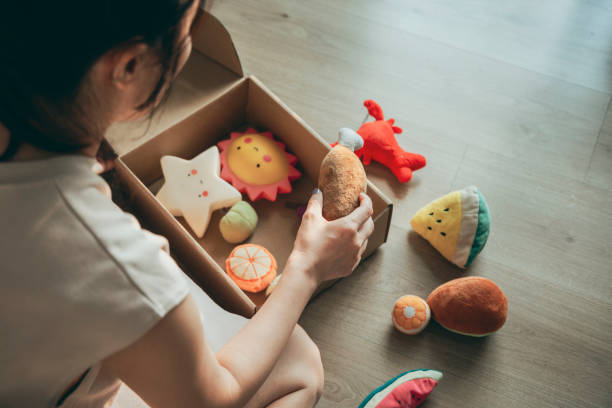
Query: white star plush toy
193, 188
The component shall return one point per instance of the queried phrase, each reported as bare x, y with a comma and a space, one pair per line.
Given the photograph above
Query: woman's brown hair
47, 49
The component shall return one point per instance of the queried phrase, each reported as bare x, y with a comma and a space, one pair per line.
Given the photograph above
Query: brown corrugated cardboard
209, 100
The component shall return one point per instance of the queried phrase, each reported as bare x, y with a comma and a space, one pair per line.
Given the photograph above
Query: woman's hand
332, 249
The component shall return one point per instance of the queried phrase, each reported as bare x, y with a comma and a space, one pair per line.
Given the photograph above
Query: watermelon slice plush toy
457, 225
407, 390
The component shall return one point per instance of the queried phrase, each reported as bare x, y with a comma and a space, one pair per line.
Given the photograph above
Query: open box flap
212, 39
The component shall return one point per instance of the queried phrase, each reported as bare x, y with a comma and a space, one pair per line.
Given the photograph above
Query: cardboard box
210, 98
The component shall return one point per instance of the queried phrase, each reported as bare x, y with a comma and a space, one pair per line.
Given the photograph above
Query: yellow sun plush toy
256, 164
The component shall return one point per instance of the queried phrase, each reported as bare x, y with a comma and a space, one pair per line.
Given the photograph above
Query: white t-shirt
79, 280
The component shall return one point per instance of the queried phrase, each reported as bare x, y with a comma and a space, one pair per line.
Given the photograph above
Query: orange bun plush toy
410, 314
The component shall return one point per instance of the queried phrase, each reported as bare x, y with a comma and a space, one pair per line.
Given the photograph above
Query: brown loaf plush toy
342, 176
473, 306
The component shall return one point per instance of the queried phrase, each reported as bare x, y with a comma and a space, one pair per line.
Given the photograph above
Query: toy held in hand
472, 306
193, 188
257, 165
342, 177
407, 390
457, 225
380, 145
410, 314
239, 223
251, 266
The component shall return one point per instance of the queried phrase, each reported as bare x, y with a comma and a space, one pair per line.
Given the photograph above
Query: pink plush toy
380, 145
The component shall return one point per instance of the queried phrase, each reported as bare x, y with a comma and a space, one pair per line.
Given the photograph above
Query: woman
90, 300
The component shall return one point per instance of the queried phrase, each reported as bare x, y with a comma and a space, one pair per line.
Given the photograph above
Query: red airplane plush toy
379, 144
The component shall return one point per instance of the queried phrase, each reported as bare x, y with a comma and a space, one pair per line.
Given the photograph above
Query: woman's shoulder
63, 223
85, 279
139, 256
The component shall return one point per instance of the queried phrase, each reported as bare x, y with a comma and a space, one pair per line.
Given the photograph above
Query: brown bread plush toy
342, 176
473, 306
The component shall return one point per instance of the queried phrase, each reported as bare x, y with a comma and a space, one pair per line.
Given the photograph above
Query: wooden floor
513, 97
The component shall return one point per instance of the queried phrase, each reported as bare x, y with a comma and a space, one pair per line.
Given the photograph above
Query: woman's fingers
315, 204
361, 218
365, 230
363, 248
362, 213
360, 254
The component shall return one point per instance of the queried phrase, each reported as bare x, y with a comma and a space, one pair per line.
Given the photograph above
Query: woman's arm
172, 365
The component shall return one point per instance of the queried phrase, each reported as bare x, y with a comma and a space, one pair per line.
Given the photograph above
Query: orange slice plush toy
251, 266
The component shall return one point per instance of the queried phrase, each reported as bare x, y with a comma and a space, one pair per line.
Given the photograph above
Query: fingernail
316, 191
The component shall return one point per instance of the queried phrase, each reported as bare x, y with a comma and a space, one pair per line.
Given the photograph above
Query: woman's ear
127, 63
124, 78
